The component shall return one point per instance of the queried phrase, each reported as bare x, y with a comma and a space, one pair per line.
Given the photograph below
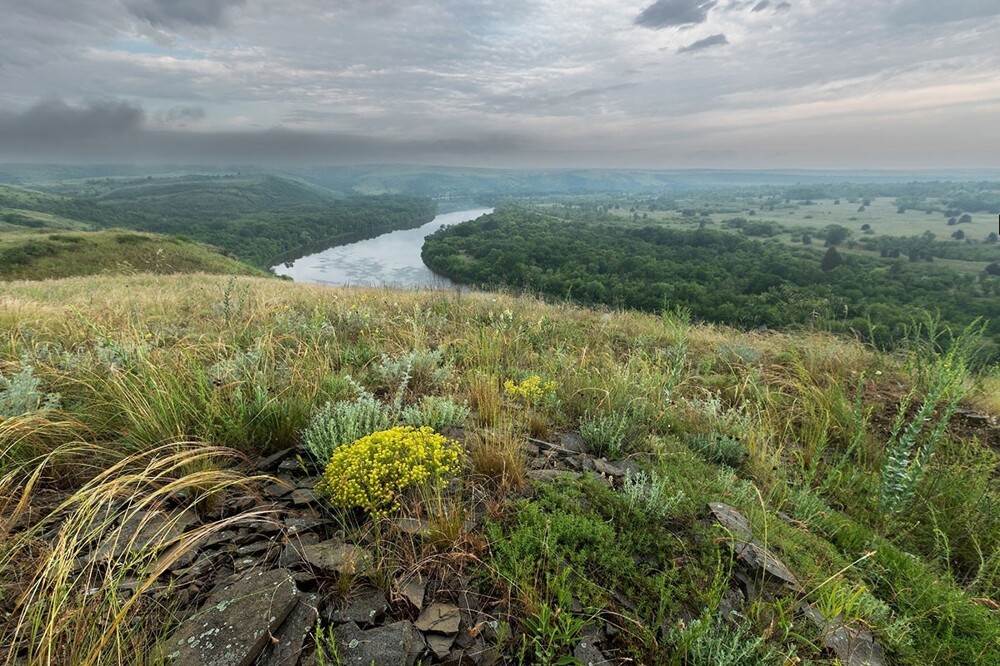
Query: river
392, 259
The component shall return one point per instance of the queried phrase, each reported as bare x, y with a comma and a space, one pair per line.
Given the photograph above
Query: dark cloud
111, 130
181, 13
761, 6
924, 11
54, 123
180, 115
782, 6
671, 13
592, 92
702, 44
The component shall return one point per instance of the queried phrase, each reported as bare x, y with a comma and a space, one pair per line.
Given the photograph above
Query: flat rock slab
730, 518
413, 589
363, 608
440, 618
757, 558
397, 644
290, 636
588, 655
236, 621
336, 557
852, 646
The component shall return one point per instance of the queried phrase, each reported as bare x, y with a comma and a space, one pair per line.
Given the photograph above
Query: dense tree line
719, 276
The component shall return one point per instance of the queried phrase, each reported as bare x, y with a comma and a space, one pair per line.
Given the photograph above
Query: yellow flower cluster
532, 390
373, 471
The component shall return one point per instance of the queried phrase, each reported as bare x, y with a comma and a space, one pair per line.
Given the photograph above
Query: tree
993, 237
831, 260
965, 219
807, 239
836, 234
994, 268
958, 235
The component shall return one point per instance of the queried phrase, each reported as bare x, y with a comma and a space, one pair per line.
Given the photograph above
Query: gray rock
413, 589
299, 524
291, 553
397, 644
551, 474
852, 646
336, 557
440, 644
291, 634
440, 618
573, 442
732, 520
588, 654
271, 463
235, 623
608, 469
304, 497
364, 608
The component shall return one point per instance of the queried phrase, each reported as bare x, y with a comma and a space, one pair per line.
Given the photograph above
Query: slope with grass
42, 255
589, 444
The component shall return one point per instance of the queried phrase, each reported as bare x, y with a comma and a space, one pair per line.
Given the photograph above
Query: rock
336, 557
608, 469
588, 654
413, 589
291, 634
236, 621
411, 526
551, 474
439, 618
290, 465
440, 644
397, 644
852, 646
299, 524
757, 558
573, 442
732, 603
732, 520
364, 608
141, 530
291, 553
273, 461
255, 548
304, 497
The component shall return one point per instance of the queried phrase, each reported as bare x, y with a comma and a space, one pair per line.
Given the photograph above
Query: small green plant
708, 643
716, 448
327, 653
373, 472
420, 370
344, 422
606, 434
550, 636
435, 412
21, 394
651, 494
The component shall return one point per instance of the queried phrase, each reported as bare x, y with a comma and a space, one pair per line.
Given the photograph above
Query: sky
826, 84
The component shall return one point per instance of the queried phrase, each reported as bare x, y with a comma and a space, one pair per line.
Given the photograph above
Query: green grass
40, 255
178, 376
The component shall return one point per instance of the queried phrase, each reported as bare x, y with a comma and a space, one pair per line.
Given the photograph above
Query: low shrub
435, 412
344, 422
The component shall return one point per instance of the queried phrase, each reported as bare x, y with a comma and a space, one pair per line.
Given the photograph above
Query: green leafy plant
344, 422
651, 494
22, 394
606, 434
550, 636
435, 412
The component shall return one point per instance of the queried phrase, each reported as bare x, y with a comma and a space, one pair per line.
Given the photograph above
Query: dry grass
498, 457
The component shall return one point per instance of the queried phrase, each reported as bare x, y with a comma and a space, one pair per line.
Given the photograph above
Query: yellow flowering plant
374, 471
531, 391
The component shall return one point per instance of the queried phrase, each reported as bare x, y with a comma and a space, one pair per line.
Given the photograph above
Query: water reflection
392, 259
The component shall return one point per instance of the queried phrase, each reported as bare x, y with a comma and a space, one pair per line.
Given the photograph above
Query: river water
392, 259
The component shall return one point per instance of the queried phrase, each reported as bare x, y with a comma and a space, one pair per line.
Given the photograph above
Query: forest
257, 219
717, 276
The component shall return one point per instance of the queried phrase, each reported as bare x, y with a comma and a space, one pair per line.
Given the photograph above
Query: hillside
41, 255
260, 219
610, 485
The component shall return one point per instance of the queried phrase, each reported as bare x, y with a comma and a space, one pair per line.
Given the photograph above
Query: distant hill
37, 255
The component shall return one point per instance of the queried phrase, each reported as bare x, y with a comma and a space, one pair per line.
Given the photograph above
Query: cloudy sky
635, 83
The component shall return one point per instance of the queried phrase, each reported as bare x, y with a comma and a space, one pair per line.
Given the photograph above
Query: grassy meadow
855, 467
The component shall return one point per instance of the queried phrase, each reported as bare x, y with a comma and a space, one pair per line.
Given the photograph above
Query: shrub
421, 371
21, 395
605, 434
373, 472
720, 449
436, 413
344, 422
532, 391
651, 494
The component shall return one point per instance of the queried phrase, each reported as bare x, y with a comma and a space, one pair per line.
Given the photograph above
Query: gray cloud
53, 123
702, 44
181, 115
933, 11
782, 6
672, 13
180, 13
761, 6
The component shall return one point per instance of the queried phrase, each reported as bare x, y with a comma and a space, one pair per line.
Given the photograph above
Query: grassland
49, 255
155, 386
